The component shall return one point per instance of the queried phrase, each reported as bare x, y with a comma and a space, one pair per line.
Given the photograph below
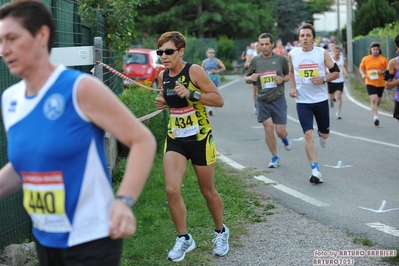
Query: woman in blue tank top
55, 119
213, 67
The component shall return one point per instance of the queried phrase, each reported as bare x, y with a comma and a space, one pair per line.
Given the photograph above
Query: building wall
328, 21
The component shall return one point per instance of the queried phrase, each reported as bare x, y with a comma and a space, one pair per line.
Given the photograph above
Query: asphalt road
360, 164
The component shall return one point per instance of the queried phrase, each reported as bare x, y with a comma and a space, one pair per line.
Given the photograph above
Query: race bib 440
44, 200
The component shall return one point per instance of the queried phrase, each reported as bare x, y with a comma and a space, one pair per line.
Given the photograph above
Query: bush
226, 49
228, 64
142, 102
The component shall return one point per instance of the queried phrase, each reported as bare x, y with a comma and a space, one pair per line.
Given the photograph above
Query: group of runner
55, 119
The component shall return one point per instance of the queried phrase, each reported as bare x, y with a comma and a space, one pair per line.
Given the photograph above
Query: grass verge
365, 241
359, 92
156, 233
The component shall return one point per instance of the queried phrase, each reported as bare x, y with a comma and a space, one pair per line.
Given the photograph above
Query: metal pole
98, 57
349, 36
338, 24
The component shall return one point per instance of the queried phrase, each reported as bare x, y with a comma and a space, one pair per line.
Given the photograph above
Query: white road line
229, 83
351, 137
384, 228
360, 104
280, 187
230, 162
292, 192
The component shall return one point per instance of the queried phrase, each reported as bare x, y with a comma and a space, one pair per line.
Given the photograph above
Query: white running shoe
288, 147
315, 178
221, 242
181, 247
337, 115
323, 142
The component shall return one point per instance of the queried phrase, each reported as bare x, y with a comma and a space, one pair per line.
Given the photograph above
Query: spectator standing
372, 69
55, 119
391, 77
186, 91
269, 71
213, 67
308, 80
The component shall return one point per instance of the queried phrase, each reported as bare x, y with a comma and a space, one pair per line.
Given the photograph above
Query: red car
142, 65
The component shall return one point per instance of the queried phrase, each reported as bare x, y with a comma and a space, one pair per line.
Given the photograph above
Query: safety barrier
119, 74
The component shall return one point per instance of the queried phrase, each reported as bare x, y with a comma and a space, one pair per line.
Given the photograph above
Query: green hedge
142, 102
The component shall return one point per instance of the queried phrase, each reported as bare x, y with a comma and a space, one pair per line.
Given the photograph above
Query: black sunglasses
169, 51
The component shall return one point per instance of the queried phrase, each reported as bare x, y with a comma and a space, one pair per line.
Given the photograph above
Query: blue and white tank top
60, 156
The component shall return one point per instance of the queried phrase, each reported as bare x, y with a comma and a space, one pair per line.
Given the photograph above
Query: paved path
289, 238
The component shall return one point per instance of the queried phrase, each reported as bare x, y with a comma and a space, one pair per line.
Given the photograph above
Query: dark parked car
143, 66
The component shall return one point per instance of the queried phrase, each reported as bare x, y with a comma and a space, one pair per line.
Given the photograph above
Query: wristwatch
195, 96
324, 79
129, 201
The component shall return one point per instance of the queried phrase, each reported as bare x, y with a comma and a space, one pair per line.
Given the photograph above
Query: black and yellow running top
187, 119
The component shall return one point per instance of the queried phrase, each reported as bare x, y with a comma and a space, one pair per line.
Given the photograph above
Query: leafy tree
290, 15
372, 14
393, 3
391, 30
119, 17
207, 18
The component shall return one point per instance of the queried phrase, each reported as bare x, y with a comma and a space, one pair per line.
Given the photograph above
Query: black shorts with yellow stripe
200, 153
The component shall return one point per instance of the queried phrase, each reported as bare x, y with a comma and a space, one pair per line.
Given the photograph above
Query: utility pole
349, 34
338, 23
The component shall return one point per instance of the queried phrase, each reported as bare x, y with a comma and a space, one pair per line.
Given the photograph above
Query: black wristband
194, 96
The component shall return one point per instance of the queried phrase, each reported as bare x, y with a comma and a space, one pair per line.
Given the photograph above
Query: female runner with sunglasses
187, 90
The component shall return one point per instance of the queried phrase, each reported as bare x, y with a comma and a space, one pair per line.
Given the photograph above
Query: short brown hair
176, 37
375, 44
307, 26
266, 35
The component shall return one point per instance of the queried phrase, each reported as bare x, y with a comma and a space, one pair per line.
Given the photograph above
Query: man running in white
308, 80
